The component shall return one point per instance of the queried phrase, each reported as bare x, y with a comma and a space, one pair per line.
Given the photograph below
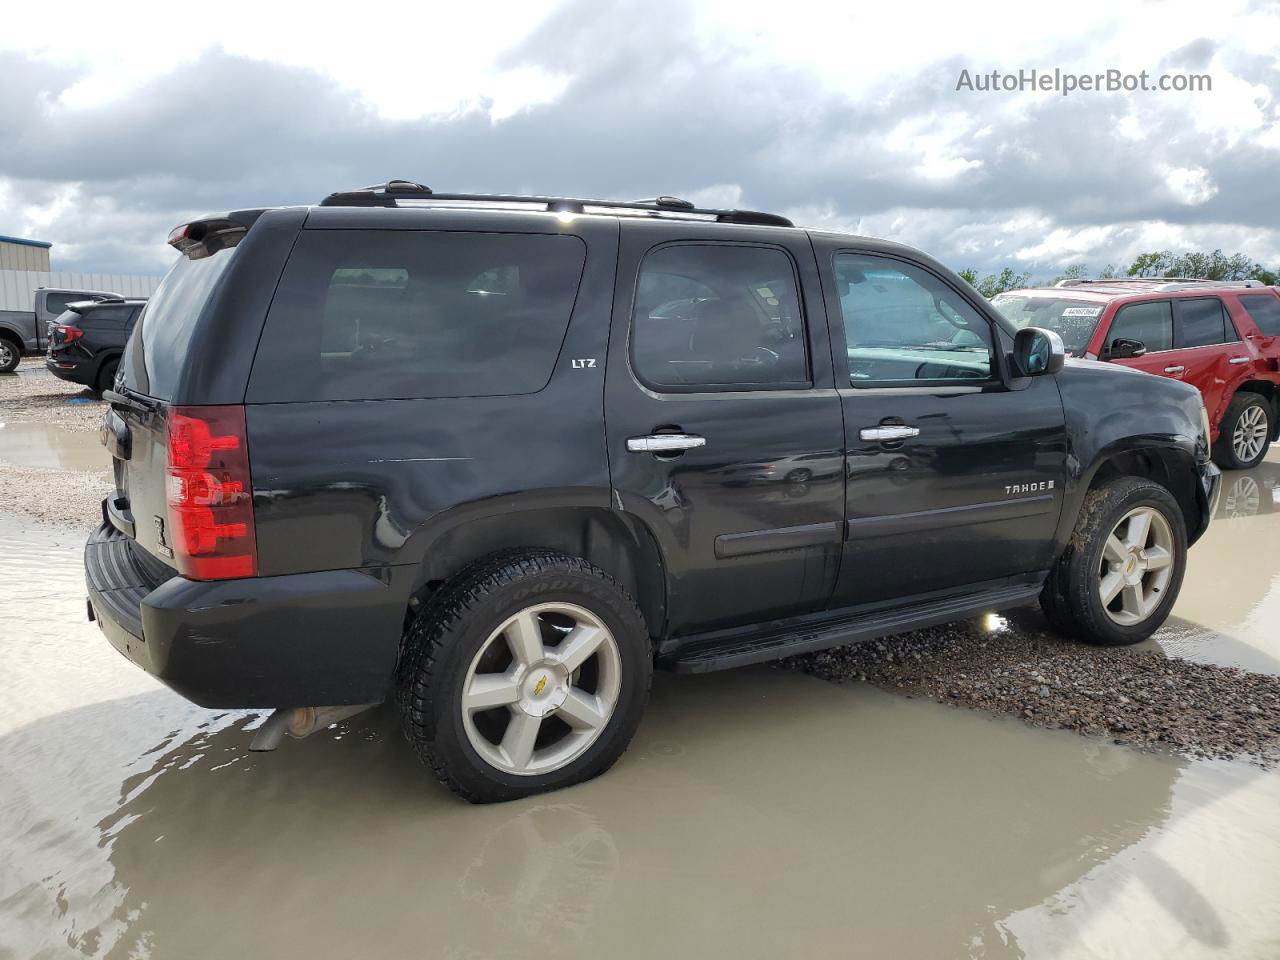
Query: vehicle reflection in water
1230, 601
759, 813
783, 836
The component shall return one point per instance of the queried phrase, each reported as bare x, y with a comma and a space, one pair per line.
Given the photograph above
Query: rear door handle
1238, 360
1174, 369
665, 443
889, 433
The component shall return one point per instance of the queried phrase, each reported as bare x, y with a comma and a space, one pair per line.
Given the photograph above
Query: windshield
1073, 320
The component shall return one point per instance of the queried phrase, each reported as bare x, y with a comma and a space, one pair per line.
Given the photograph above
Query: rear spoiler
205, 237
93, 299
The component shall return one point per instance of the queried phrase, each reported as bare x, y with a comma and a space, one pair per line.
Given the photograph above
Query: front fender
1113, 411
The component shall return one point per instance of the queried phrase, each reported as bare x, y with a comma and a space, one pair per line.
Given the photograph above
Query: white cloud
1190, 185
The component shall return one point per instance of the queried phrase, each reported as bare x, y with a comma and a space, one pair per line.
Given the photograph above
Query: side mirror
1037, 351
1122, 349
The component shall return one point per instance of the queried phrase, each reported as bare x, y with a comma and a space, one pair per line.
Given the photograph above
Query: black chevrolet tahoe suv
498, 457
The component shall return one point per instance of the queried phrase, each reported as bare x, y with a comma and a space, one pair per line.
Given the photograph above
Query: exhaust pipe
299, 722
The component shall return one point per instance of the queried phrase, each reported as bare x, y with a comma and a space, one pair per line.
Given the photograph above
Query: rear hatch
156, 365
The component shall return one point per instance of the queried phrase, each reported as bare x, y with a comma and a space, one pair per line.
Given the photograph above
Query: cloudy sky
118, 121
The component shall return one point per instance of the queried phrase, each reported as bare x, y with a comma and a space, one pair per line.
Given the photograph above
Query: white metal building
17, 287
17, 253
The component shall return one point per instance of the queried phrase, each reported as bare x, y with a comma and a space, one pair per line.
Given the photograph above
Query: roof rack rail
1165, 284
390, 194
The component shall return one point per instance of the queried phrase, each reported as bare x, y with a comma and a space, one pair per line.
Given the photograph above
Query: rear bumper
68, 370
1208, 491
326, 638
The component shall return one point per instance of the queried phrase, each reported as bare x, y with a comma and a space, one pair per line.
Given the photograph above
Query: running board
736, 648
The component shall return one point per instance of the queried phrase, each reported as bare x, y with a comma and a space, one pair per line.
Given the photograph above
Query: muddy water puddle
50, 446
759, 813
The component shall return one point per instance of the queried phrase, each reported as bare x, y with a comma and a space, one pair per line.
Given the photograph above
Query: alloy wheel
1136, 566
6, 353
541, 689
1250, 434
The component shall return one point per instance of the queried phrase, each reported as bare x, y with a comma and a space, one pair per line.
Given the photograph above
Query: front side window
1201, 323
902, 325
387, 314
1150, 323
1071, 318
716, 316
1265, 311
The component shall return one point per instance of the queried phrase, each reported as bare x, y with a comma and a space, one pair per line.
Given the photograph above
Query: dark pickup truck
497, 457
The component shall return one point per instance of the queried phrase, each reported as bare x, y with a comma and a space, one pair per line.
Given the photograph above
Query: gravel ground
35, 396
65, 497
1136, 697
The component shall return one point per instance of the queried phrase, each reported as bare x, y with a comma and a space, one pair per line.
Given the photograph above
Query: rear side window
1201, 323
57, 302
718, 316
1151, 324
385, 314
1265, 311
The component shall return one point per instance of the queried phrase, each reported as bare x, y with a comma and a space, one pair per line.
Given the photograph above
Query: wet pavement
759, 813
50, 446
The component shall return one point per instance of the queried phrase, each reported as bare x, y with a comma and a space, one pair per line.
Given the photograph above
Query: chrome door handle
889, 433
1238, 360
1174, 369
665, 443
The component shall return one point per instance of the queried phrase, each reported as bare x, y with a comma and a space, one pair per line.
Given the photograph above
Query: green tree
1156, 264
969, 276
1077, 271
1006, 279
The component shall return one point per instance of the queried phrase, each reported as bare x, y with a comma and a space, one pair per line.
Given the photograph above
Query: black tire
450, 629
1225, 453
1070, 597
106, 376
799, 475
10, 355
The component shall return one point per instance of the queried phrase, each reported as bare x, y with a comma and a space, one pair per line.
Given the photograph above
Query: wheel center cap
542, 690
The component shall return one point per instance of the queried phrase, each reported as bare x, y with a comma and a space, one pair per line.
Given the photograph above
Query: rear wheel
526, 673
106, 376
1120, 574
10, 355
1245, 432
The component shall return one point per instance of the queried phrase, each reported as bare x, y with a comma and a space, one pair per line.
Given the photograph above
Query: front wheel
527, 673
1120, 574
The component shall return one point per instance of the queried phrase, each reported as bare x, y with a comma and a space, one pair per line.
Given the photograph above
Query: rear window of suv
154, 359
387, 314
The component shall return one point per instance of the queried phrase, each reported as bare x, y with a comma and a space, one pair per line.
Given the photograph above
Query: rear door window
1201, 322
718, 316
1265, 311
1150, 323
386, 314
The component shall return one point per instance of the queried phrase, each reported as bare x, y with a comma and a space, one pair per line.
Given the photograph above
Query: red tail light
210, 494
68, 333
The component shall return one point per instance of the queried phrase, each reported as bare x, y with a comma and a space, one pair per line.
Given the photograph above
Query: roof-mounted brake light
202, 238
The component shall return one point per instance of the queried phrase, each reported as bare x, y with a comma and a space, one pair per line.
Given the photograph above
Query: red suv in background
1222, 337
